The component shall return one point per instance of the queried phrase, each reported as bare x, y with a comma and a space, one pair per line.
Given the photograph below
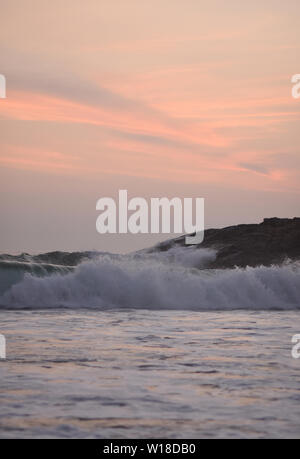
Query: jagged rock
271, 242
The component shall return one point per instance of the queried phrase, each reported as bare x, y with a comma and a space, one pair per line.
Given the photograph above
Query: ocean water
143, 374
148, 346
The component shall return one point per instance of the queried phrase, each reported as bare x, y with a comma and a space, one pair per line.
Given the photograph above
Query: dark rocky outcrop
271, 242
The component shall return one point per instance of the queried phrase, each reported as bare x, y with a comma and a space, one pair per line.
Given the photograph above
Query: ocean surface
147, 346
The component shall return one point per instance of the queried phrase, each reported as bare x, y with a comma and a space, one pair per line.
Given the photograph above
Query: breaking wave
176, 279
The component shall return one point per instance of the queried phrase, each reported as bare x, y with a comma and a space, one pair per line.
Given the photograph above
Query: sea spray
159, 281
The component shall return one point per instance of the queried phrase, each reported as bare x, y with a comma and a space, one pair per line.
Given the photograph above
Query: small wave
14, 267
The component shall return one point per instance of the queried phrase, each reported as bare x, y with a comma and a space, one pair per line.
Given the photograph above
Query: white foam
160, 281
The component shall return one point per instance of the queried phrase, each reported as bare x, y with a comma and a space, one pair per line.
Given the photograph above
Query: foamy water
176, 279
142, 374
148, 345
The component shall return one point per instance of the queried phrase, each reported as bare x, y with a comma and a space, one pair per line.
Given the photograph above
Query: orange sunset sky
162, 98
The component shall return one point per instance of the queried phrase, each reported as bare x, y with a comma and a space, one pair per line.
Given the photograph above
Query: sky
163, 98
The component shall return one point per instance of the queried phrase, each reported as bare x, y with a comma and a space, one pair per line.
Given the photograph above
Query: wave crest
159, 281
